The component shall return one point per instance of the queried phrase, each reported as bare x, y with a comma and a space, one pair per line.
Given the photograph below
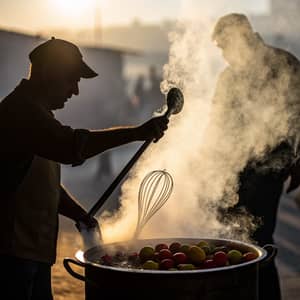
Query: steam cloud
203, 160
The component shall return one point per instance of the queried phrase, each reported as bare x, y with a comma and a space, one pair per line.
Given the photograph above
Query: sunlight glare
73, 8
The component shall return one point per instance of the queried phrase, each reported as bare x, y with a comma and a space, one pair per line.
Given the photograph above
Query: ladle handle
118, 179
174, 92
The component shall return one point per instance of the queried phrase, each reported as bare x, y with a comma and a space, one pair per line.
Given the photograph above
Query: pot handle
67, 261
271, 253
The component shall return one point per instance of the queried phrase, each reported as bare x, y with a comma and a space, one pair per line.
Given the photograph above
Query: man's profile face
235, 48
61, 88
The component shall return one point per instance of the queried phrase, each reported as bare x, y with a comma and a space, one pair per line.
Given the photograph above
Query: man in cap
266, 79
34, 144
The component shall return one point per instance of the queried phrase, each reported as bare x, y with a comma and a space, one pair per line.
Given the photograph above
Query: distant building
281, 26
102, 101
14, 62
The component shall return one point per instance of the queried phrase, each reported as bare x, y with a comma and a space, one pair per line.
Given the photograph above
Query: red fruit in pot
133, 256
220, 258
179, 258
166, 264
174, 247
209, 263
159, 247
106, 259
165, 253
249, 256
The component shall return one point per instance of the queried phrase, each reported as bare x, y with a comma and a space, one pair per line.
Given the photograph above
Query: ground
64, 285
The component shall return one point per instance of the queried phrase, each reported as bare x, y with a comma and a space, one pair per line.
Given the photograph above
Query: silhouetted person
139, 92
155, 98
252, 73
154, 80
33, 145
148, 97
136, 105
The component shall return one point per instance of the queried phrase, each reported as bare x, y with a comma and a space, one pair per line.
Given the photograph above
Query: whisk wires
154, 192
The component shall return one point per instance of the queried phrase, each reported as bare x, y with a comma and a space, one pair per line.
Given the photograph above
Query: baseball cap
62, 52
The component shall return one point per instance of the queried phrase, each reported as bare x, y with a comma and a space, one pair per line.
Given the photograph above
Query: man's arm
70, 208
45, 136
101, 140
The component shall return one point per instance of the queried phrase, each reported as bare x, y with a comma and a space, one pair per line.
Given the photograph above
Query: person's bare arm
101, 140
43, 135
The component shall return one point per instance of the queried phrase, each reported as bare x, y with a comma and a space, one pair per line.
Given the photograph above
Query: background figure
139, 91
155, 99
136, 107
251, 88
105, 114
147, 96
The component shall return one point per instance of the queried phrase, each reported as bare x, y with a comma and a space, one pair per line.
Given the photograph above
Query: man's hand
153, 129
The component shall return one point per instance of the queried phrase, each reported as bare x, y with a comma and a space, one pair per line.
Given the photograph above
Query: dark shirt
27, 128
258, 85
33, 145
260, 189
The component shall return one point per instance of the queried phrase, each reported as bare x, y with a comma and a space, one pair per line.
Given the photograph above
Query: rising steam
207, 144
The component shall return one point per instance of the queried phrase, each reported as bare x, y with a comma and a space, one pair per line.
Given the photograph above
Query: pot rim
81, 257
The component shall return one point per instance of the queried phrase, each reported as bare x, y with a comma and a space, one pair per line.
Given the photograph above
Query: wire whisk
154, 192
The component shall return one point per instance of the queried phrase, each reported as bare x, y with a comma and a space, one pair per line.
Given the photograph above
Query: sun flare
73, 8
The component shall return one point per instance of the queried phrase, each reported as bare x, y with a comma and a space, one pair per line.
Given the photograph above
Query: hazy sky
37, 15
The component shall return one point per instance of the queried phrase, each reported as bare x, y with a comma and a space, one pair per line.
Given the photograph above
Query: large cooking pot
232, 282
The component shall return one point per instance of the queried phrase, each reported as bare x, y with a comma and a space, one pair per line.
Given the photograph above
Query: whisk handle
118, 179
